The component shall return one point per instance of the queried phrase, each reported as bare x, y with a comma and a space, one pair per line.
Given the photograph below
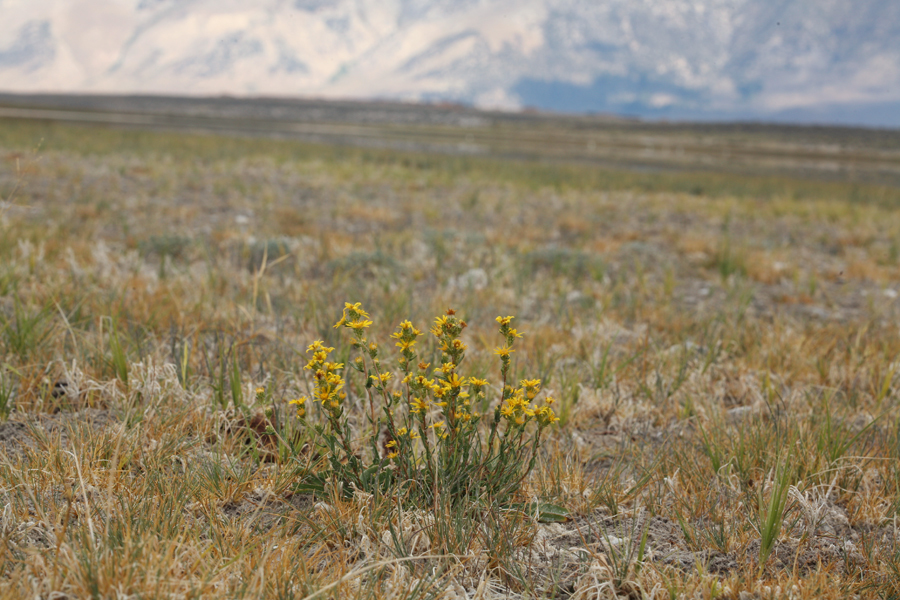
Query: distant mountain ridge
828, 60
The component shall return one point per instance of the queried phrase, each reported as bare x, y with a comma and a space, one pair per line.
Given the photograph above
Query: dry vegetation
724, 350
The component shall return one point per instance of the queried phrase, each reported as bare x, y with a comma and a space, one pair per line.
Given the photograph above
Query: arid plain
721, 337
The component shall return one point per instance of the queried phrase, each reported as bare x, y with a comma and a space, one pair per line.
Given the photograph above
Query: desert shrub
426, 442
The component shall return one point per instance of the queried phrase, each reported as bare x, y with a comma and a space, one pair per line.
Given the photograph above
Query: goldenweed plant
424, 438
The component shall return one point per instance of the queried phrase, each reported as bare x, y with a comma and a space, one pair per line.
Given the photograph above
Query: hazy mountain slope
672, 57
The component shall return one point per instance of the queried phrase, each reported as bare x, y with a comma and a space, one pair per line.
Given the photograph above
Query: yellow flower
299, 401
440, 324
545, 416
318, 357
402, 431
531, 387
317, 345
359, 325
503, 352
391, 444
505, 320
407, 331
393, 455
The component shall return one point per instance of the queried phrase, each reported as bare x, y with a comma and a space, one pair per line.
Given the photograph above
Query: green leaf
544, 511
311, 484
119, 360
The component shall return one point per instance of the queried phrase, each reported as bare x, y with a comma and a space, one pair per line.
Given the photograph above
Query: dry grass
726, 366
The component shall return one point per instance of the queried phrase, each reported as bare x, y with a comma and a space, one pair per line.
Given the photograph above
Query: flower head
300, 403
418, 405
531, 387
352, 313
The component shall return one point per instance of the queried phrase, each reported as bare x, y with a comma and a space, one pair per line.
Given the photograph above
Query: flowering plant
424, 434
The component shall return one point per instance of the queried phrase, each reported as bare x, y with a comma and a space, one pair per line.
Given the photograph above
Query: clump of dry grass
725, 368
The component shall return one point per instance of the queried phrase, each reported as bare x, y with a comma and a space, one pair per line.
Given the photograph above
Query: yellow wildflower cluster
506, 331
447, 386
544, 415
447, 329
357, 320
530, 387
504, 352
517, 408
440, 423
328, 382
406, 336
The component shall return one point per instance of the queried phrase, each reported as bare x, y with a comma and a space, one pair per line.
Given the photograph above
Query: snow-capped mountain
676, 58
